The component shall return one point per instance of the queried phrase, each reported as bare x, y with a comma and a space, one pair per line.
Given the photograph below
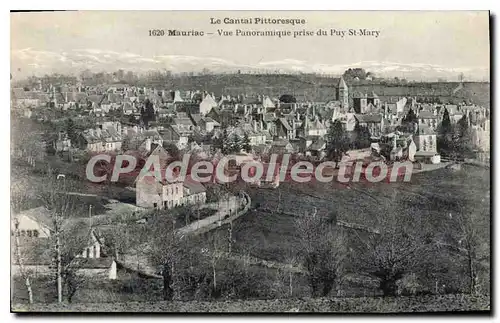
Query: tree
409, 121
71, 131
446, 123
148, 113
231, 144
445, 133
75, 237
462, 138
322, 252
246, 144
165, 252
400, 247
410, 117
467, 235
19, 260
471, 245
362, 137
218, 141
337, 142
18, 199
215, 253
67, 239
353, 73
126, 143
287, 98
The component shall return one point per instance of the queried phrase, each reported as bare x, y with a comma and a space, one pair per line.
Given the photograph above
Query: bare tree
74, 237
165, 251
472, 244
215, 253
402, 246
17, 200
68, 237
322, 250
291, 262
19, 259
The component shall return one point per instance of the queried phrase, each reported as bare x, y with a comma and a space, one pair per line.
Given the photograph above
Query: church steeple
343, 94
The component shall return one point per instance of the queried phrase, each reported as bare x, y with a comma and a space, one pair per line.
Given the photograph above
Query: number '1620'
156, 32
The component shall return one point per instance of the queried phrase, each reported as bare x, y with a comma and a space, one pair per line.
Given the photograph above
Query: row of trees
455, 141
406, 252
408, 244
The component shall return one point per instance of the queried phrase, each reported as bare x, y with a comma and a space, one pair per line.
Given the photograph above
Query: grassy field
272, 235
267, 234
444, 303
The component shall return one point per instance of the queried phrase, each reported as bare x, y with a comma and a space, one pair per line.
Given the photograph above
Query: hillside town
121, 118
58, 126
250, 161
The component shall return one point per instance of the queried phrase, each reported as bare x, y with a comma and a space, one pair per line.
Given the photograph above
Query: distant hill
310, 87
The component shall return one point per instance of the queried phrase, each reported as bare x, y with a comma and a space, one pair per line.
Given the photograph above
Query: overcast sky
100, 40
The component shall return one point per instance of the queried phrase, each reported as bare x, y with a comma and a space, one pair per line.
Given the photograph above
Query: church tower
343, 94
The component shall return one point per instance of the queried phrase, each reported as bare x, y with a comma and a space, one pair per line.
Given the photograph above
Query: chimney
261, 125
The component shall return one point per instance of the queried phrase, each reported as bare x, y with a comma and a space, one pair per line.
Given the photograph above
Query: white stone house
151, 193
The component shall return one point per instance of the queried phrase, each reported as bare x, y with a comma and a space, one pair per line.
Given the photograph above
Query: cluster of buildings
35, 229
194, 121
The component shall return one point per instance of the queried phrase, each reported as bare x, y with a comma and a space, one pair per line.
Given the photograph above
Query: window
35, 233
176, 190
29, 232
155, 205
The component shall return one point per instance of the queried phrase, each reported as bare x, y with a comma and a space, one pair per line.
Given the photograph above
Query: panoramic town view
152, 171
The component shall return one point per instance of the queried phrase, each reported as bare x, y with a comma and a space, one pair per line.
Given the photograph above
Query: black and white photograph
250, 162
